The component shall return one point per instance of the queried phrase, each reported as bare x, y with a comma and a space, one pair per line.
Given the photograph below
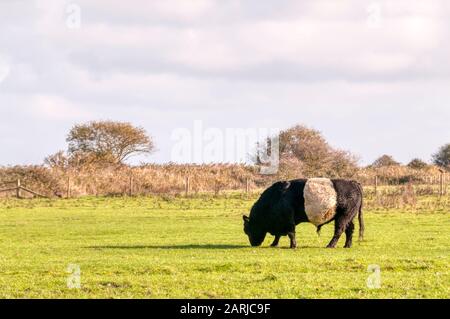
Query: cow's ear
246, 219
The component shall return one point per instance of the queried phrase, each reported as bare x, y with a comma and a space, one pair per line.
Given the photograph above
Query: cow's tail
360, 215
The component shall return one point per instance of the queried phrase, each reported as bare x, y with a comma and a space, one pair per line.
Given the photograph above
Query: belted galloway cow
316, 200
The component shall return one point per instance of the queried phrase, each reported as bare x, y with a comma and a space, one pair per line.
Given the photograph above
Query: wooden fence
436, 184
18, 189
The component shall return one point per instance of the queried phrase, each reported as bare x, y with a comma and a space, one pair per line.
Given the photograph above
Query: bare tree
384, 161
417, 163
304, 152
107, 142
57, 160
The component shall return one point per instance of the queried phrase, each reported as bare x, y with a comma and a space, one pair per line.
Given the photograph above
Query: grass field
195, 248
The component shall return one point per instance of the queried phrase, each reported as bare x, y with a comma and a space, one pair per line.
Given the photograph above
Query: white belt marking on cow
320, 200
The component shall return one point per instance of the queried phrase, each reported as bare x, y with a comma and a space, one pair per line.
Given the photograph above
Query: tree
107, 142
442, 156
57, 160
417, 163
304, 152
385, 160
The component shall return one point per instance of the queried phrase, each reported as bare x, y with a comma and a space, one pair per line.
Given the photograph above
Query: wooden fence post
376, 185
68, 187
445, 183
187, 185
130, 186
441, 183
19, 186
247, 185
216, 188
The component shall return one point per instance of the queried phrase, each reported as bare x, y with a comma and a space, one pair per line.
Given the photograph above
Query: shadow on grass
198, 246
186, 247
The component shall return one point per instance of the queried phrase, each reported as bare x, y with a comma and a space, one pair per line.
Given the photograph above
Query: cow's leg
349, 234
293, 240
339, 227
276, 241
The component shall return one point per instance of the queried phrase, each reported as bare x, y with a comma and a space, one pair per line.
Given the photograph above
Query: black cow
286, 204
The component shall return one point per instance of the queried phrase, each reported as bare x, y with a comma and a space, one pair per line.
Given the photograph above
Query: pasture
175, 247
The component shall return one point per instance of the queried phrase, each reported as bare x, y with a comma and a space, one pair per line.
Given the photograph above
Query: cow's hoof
331, 247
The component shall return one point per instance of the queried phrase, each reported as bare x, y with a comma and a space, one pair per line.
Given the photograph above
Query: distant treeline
97, 152
178, 178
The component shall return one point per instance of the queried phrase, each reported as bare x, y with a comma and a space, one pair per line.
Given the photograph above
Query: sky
372, 76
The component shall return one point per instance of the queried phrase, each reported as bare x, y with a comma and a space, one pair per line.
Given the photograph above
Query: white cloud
4, 69
56, 108
421, 32
165, 63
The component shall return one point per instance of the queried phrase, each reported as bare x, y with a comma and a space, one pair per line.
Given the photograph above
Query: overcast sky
373, 76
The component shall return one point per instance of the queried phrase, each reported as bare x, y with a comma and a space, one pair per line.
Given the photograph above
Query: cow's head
255, 235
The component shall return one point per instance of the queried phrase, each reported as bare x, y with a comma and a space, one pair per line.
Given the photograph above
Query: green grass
195, 248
